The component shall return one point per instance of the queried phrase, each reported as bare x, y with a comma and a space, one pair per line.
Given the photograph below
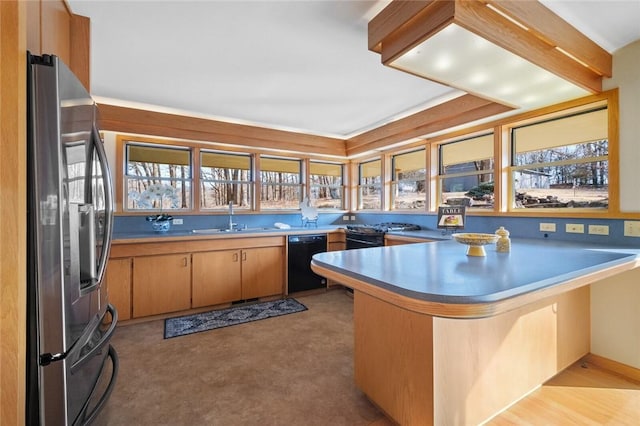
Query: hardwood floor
583, 394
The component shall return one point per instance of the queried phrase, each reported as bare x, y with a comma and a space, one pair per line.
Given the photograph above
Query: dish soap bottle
503, 245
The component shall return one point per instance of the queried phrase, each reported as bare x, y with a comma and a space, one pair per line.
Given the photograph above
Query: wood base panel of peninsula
424, 370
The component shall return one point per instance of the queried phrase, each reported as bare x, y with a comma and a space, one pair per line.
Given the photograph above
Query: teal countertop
441, 272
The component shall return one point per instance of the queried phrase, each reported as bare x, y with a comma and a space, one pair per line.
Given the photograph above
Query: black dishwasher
301, 249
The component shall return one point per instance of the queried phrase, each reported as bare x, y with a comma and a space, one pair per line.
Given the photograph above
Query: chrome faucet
231, 224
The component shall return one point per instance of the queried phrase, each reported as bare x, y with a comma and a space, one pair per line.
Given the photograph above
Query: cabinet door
262, 272
118, 284
216, 278
161, 284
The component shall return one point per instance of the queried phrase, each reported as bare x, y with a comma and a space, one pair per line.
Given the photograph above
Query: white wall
626, 68
615, 302
615, 318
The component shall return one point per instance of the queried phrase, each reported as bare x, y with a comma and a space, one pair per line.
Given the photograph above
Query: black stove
363, 236
381, 228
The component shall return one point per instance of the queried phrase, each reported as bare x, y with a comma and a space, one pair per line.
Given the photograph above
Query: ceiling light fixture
517, 53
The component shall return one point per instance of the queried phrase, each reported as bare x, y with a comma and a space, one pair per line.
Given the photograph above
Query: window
562, 162
157, 178
280, 183
466, 172
326, 185
370, 185
225, 178
408, 186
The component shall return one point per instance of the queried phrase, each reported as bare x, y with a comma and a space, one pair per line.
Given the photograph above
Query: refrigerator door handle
108, 204
74, 247
106, 337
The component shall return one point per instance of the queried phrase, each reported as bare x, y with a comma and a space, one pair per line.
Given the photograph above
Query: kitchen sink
207, 231
220, 230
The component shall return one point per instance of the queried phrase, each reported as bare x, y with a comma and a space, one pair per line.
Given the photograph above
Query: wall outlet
599, 229
631, 228
574, 228
353, 217
177, 221
345, 217
548, 227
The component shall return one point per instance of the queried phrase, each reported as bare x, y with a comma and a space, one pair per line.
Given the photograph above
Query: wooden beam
458, 111
556, 31
423, 25
143, 122
481, 20
393, 16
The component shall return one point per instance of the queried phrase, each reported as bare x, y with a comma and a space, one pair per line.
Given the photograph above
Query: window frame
250, 182
609, 101
158, 180
442, 175
261, 184
503, 188
379, 185
341, 187
395, 182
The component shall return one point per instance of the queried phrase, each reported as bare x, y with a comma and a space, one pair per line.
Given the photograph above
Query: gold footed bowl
475, 242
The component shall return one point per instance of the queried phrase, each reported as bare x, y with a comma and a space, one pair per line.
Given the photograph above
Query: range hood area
490, 49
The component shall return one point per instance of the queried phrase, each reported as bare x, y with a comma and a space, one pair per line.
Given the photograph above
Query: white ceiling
297, 65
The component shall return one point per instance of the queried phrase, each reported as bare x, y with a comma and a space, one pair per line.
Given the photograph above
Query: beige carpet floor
295, 369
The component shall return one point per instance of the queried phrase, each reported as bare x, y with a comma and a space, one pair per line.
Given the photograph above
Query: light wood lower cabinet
216, 278
262, 272
228, 275
118, 283
157, 277
161, 284
336, 241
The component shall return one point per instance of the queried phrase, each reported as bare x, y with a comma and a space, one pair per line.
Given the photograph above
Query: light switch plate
548, 227
574, 228
177, 221
631, 228
345, 217
599, 229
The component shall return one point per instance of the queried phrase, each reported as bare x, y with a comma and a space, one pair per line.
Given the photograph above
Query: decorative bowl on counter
475, 242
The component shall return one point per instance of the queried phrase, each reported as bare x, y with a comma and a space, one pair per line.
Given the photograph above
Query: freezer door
86, 362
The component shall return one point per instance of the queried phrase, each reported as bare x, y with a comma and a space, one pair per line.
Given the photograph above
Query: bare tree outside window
225, 178
280, 183
327, 187
370, 185
409, 180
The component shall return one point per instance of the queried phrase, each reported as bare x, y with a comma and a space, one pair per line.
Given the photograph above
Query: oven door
358, 241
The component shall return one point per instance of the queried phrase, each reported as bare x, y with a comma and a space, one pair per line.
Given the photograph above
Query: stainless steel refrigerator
71, 366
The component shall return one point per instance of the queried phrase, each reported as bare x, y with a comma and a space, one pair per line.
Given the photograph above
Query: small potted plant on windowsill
155, 196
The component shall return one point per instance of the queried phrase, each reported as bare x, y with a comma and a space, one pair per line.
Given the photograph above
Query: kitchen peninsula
445, 338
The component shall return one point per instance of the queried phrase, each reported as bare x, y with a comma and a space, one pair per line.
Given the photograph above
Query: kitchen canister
503, 245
